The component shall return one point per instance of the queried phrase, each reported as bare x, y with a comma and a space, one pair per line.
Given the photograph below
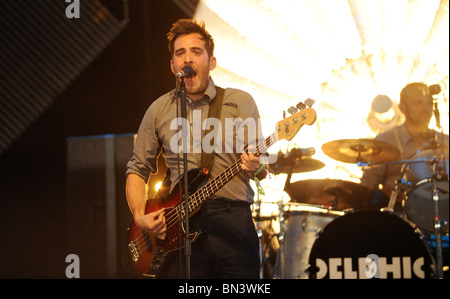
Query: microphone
186, 72
434, 89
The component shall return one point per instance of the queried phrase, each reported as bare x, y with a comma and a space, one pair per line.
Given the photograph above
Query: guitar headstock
289, 126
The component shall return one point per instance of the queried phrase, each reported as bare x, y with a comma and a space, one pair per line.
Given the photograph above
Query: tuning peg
309, 102
292, 110
301, 106
284, 114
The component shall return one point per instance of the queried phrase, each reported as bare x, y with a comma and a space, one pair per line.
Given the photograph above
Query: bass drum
369, 244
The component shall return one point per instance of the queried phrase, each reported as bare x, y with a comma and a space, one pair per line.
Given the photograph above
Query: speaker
97, 210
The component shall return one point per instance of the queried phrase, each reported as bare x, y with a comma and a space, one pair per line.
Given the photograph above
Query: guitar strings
235, 167
177, 213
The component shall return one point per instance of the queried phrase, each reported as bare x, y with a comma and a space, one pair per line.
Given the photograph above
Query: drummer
410, 138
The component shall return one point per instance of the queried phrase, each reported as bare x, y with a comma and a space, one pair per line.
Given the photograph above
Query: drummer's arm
374, 176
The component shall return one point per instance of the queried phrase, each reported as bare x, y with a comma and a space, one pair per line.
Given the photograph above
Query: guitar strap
214, 111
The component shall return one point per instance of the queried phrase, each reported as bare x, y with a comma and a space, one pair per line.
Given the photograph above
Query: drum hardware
258, 218
296, 160
429, 216
420, 200
399, 185
337, 197
259, 233
416, 205
264, 225
434, 90
281, 240
393, 197
437, 225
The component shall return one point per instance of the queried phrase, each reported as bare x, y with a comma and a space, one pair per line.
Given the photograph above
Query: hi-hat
297, 166
361, 150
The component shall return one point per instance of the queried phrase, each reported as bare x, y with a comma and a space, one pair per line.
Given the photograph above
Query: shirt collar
404, 134
208, 95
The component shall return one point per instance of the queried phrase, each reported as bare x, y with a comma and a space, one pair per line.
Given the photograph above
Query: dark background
109, 97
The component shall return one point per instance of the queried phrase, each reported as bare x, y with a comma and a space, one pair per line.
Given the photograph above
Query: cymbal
339, 194
294, 164
360, 150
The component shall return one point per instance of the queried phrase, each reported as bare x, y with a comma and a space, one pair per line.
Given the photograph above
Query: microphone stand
187, 239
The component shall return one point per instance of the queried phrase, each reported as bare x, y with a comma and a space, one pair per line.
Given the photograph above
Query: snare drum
369, 244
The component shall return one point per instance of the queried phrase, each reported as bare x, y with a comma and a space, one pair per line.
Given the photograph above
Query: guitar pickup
148, 242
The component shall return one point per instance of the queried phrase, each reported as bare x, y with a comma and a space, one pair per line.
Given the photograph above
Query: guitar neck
210, 188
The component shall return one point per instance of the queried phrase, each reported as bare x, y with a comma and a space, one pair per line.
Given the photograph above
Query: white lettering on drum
379, 267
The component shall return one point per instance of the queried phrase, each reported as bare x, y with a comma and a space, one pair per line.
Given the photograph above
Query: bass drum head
369, 244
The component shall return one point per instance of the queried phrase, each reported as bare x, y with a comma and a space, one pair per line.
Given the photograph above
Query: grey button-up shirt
160, 127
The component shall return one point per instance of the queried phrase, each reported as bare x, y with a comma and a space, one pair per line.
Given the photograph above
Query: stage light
158, 185
384, 114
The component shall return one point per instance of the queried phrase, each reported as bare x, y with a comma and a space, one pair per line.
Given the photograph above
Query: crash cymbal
293, 163
338, 194
360, 150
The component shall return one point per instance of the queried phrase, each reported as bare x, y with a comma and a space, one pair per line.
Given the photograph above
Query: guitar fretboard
214, 185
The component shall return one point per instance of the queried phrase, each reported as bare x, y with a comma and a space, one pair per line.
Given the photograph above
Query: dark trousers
228, 248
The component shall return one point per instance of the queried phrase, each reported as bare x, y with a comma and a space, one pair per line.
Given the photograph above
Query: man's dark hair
188, 26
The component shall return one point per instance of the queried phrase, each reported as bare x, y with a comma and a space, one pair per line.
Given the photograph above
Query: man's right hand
154, 223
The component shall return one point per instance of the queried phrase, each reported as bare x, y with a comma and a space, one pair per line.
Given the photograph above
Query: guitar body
147, 254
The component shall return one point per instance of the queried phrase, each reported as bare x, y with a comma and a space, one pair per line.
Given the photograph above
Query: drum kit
340, 229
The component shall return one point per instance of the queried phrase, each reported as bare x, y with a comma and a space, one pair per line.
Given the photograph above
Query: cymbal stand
393, 198
282, 234
437, 219
281, 241
259, 232
398, 186
437, 223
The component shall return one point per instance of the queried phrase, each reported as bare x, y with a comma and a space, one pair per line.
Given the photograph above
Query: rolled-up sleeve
146, 150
